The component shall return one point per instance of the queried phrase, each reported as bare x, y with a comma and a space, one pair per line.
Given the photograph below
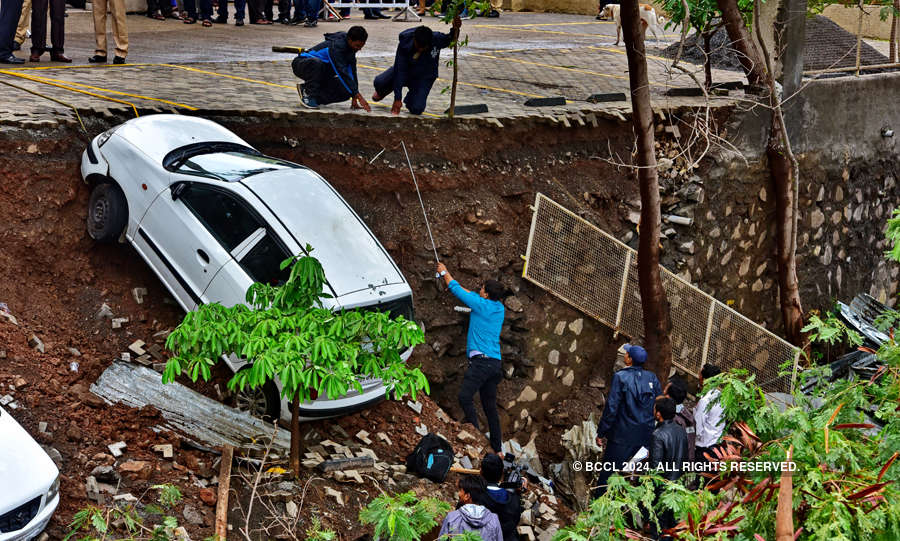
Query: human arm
611, 410
442, 40
657, 452
469, 298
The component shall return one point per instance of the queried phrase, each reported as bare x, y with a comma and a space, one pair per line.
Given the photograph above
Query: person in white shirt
708, 422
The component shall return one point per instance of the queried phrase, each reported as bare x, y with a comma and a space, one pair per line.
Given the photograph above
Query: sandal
189, 20
263, 21
159, 16
207, 23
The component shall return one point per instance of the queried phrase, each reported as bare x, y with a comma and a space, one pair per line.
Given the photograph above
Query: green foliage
403, 517
285, 331
830, 331
466, 536
316, 533
98, 523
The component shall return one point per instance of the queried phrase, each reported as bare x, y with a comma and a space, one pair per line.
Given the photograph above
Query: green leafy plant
465, 536
123, 521
831, 330
285, 331
403, 517
316, 533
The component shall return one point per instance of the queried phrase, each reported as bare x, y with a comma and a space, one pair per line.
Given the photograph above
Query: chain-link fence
597, 274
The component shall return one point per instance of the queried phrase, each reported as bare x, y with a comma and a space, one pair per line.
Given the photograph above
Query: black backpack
431, 459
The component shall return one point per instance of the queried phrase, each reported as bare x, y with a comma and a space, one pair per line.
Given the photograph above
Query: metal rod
376, 157
421, 203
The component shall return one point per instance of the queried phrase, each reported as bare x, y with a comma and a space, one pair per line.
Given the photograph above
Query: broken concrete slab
415, 406
422, 430
138, 293
35, 343
117, 322
165, 449
363, 436
137, 347
116, 448
349, 463
186, 410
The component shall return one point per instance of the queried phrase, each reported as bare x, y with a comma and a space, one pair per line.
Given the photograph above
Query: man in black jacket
668, 450
503, 502
415, 67
329, 70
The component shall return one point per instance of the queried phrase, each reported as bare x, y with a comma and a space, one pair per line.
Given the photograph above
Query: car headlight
54, 489
104, 137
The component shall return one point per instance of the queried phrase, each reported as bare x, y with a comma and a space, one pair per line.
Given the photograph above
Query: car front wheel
263, 402
107, 212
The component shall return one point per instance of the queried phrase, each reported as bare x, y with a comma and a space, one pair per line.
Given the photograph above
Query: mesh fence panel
597, 274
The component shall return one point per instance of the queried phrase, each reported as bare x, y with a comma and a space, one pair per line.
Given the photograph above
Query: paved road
228, 68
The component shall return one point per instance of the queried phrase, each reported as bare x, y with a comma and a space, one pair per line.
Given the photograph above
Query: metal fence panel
594, 272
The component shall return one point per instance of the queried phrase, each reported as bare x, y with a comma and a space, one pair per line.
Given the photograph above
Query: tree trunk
895, 30
455, 74
295, 434
707, 64
654, 303
748, 54
784, 512
782, 171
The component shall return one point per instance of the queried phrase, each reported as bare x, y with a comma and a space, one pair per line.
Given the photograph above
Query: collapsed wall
478, 181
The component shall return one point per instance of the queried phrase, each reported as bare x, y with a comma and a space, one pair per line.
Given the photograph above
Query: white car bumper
35, 526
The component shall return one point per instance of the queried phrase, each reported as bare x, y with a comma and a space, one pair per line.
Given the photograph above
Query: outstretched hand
360, 102
395, 109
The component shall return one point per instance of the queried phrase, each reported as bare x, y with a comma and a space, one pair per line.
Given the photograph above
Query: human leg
384, 84
24, 22
57, 28
119, 28
38, 28
99, 13
477, 374
488, 393
417, 96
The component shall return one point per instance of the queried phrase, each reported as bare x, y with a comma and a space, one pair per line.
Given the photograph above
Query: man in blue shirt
628, 418
483, 350
329, 70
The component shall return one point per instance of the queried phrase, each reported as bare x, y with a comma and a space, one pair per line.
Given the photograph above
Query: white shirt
708, 424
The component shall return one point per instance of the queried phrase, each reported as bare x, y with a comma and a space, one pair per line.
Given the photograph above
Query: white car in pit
211, 215
29, 483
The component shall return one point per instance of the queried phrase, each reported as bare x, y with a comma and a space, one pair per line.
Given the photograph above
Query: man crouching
329, 70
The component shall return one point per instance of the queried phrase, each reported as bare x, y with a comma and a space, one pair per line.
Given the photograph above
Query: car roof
314, 213
158, 135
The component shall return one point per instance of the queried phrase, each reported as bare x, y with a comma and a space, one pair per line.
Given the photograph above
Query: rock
335, 494
574, 346
560, 328
138, 294
137, 347
73, 433
415, 406
762, 195
553, 357
141, 468
363, 436
208, 496
538, 374
527, 395
54, 455
106, 474
465, 436
441, 415
6, 400
597, 382
116, 448
569, 378
105, 311
816, 219
74, 352
422, 430
514, 304
127, 497
526, 531
92, 489
118, 321
526, 518
42, 427
165, 449
291, 509
687, 247
577, 326
181, 534
192, 515
384, 437
35, 343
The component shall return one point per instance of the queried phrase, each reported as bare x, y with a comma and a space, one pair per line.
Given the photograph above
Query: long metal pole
422, 204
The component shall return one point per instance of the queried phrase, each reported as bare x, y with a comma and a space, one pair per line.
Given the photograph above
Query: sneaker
221, 19
284, 20
297, 20
239, 22
308, 101
311, 23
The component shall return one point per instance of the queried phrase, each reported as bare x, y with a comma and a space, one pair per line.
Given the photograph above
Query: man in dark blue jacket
483, 350
506, 503
628, 418
415, 67
329, 70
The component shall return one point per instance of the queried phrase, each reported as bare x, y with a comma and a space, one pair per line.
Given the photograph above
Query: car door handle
202, 255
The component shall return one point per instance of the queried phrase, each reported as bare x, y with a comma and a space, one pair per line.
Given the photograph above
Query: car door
189, 231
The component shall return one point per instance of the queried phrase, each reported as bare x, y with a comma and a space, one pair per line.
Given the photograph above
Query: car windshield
231, 166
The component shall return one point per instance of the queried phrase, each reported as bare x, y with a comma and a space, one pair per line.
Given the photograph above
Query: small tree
403, 517
453, 11
285, 331
702, 16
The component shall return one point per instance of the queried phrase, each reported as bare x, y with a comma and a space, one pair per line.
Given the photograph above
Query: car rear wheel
107, 212
263, 402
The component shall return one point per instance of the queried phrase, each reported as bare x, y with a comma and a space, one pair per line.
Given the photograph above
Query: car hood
25, 469
316, 214
157, 135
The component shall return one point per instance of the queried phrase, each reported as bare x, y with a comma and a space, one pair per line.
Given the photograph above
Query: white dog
649, 19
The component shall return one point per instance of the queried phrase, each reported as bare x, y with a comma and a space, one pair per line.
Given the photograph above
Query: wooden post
859, 37
224, 486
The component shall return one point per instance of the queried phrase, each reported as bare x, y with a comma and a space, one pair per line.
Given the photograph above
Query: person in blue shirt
329, 70
628, 418
415, 67
483, 351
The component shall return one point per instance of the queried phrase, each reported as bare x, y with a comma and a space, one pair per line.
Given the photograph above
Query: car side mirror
177, 189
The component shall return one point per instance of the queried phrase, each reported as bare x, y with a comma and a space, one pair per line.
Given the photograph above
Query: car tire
264, 402
107, 212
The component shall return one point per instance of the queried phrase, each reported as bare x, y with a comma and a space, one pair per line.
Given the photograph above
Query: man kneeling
329, 70
415, 67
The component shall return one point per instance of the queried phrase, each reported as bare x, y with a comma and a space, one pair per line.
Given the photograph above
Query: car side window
263, 262
226, 217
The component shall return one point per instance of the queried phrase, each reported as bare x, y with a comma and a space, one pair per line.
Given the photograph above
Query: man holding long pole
484, 371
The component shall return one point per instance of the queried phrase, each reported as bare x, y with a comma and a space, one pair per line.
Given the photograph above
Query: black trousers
10, 10
319, 80
616, 455
482, 377
39, 25
417, 96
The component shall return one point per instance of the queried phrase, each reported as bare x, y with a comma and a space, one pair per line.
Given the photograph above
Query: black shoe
12, 59
382, 16
239, 22
297, 20
493, 14
119, 60
370, 17
311, 23
17, 46
283, 20
221, 19
97, 59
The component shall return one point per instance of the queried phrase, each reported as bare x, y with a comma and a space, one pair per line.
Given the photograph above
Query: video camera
513, 473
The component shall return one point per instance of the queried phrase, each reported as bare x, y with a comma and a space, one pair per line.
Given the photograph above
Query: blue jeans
205, 9
239, 8
482, 377
309, 7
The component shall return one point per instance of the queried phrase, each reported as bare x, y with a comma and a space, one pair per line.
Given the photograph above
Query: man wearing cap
627, 422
